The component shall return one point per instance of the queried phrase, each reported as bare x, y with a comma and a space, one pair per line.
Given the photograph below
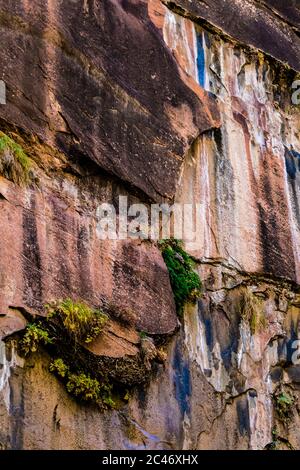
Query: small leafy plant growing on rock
14, 163
251, 309
59, 367
283, 405
81, 322
69, 325
185, 282
88, 389
82, 386
35, 335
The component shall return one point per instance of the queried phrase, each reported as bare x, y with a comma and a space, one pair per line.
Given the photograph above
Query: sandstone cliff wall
183, 101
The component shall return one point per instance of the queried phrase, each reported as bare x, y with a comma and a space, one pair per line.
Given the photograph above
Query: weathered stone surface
115, 341
167, 105
215, 390
239, 365
68, 425
272, 25
126, 108
57, 254
244, 176
11, 323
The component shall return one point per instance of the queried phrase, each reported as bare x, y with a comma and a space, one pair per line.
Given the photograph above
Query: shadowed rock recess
160, 101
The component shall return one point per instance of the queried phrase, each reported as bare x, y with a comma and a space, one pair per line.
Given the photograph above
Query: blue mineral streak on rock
205, 318
182, 381
290, 164
296, 155
242, 409
209, 334
200, 59
290, 349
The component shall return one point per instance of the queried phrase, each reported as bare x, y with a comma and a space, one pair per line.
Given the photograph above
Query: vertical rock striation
158, 101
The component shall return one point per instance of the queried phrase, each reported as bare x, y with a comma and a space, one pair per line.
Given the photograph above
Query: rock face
269, 25
132, 124
254, 221
158, 101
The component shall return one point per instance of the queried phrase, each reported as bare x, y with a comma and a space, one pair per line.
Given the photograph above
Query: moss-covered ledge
98, 359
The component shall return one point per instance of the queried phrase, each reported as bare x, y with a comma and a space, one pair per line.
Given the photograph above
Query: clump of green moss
68, 326
35, 335
185, 282
77, 319
81, 322
82, 386
14, 163
283, 402
251, 309
59, 368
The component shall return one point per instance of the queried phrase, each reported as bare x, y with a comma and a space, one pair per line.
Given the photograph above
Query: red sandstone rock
131, 98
